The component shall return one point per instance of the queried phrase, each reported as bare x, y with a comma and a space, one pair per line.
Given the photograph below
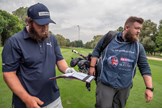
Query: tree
148, 35
10, 24
2, 26
93, 42
62, 41
67, 42
77, 43
149, 45
120, 29
21, 13
88, 45
159, 37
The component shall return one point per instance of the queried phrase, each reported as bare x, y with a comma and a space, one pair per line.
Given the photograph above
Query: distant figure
29, 60
118, 62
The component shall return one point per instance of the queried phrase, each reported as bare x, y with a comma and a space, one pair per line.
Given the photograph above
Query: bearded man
29, 59
115, 80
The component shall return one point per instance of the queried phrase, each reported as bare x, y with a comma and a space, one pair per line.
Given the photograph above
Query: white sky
94, 17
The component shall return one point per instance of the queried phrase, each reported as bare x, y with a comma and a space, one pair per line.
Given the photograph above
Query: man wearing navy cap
29, 58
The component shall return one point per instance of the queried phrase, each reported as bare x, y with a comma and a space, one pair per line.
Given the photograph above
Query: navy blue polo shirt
34, 63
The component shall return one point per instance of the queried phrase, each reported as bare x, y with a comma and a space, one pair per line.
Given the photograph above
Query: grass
75, 95
136, 98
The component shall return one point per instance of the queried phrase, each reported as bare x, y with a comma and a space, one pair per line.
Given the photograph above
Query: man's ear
28, 21
126, 27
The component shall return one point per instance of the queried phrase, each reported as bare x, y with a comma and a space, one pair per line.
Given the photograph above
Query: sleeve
96, 52
142, 62
57, 50
10, 56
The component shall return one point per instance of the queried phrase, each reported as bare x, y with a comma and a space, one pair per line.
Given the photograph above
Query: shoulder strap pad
107, 39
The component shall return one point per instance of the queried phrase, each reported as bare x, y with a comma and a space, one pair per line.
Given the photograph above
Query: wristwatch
152, 89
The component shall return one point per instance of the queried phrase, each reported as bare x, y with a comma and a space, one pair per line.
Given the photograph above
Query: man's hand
93, 62
33, 102
92, 71
148, 95
69, 70
148, 84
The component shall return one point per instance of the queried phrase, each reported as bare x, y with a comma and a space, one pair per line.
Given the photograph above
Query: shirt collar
25, 33
119, 37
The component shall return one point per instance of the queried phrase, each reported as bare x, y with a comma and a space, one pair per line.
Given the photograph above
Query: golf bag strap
107, 39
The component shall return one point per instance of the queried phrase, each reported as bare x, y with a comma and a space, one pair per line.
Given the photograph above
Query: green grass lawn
75, 95
136, 99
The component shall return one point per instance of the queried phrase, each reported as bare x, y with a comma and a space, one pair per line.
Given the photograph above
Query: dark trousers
108, 97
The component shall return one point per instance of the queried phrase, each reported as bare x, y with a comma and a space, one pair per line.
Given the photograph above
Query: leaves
148, 36
9, 24
159, 37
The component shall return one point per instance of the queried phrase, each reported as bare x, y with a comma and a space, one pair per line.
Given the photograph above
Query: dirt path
154, 58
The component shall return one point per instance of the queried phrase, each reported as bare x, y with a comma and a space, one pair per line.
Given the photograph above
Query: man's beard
130, 37
36, 36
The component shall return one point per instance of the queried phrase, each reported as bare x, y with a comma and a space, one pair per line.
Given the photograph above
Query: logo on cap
44, 13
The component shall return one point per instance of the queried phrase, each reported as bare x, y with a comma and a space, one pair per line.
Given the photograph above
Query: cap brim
44, 21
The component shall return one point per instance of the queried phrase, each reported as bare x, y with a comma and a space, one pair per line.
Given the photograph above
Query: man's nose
139, 31
45, 26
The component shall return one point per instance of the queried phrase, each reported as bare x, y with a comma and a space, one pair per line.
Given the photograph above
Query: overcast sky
91, 17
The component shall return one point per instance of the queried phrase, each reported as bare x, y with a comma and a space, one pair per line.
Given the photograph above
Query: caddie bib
118, 64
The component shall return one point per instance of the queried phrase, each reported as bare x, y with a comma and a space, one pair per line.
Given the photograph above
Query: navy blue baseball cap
40, 14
